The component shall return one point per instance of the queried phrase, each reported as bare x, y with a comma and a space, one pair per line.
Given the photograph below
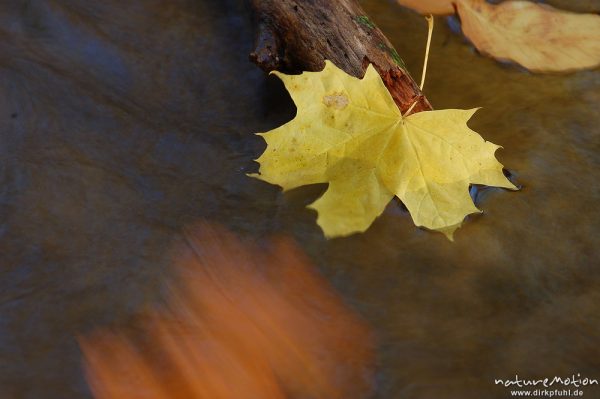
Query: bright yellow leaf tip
348, 132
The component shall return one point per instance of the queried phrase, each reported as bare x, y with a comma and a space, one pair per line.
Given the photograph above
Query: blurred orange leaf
243, 322
435, 7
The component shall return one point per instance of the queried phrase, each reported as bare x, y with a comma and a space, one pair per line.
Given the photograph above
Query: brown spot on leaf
336, 100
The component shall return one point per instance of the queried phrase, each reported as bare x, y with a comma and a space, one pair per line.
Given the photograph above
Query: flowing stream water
123, 122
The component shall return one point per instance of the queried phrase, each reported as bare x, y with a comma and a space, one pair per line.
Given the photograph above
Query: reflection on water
244, 321
121, 122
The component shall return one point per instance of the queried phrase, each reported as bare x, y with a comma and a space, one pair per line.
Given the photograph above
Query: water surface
122, 122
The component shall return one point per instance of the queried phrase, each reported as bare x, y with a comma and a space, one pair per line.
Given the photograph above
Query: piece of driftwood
298, 35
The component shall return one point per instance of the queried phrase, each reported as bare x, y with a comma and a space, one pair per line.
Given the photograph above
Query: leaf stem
410, 109
430, 20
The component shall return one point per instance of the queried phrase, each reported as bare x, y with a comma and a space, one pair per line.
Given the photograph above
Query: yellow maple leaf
348, 132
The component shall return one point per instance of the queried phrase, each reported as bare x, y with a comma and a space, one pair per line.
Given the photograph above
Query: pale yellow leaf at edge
349, 133
536, 36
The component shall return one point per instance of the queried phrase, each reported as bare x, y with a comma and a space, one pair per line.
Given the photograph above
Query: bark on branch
298, 35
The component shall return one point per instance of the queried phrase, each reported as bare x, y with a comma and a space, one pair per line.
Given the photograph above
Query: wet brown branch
298, 35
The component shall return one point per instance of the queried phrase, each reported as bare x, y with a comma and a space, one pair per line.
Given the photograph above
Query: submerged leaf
349, 133
537, 36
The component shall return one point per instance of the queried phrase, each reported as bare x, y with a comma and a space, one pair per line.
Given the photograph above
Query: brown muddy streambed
122, 122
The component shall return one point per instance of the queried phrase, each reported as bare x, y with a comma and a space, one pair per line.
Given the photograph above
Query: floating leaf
537, 36
349, 133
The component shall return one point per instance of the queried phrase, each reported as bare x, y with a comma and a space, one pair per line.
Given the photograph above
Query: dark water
122, 122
